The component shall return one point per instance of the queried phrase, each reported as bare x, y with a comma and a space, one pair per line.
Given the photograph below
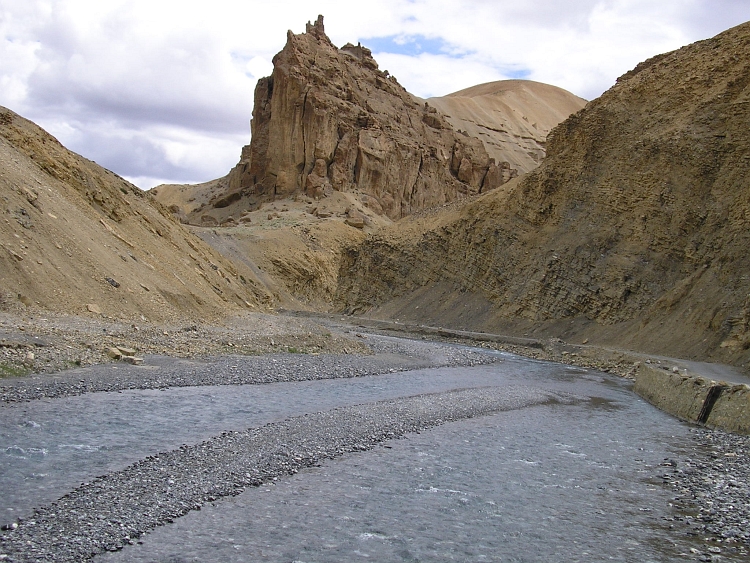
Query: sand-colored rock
294, 247
328, 119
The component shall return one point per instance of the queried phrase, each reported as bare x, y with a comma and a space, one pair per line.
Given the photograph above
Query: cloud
438, 74
163, 89
581, 46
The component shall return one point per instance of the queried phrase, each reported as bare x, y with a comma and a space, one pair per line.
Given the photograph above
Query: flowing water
546, 483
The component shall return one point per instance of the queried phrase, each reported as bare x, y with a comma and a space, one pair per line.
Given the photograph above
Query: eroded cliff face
329, 119
635, 229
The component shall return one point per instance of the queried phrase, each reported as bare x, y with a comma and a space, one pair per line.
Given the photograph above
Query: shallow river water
546, 483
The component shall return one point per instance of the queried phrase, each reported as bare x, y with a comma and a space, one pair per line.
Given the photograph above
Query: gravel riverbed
711, 486
50, 343
712, 492
385, 355
114, 510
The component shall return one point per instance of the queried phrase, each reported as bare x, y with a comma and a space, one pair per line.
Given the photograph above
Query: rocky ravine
634, 231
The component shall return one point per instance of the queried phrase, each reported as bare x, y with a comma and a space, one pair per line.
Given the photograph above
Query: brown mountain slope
635, 230
74, 234
511, 117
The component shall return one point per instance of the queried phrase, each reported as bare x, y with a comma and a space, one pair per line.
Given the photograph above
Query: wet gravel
49, 343
389, 355
711, 488
114, 510
712, 491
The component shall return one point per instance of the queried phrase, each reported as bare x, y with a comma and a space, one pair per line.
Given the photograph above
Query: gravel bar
390, 355
712, 490
114, 510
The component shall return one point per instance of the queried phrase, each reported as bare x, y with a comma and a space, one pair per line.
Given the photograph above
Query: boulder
355, 219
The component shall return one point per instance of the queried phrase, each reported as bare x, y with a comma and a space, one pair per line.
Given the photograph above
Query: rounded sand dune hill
511, 117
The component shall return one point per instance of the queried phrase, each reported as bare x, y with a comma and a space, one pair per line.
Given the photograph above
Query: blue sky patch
519, 73
410, 45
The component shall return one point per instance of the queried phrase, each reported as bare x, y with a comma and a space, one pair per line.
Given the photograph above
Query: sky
161, 91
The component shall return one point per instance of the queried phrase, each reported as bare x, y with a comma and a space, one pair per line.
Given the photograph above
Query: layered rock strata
636, 225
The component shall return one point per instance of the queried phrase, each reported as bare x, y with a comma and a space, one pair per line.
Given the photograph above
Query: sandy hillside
511, 117
295, 245
183, 199
77, 238
634, 231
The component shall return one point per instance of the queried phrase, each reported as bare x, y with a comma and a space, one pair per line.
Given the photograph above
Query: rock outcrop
635, 229
328, 119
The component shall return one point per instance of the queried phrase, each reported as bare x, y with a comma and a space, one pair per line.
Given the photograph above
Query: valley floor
557, 439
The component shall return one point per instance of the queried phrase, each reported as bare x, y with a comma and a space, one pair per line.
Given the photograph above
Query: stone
126, 351
132, 360
355, 219
208, 220
114, 353
372, 202
355, 222
317, 184
31, 196
94, 308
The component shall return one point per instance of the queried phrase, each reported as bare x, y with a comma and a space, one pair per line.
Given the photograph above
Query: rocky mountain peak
317, 29
329, 119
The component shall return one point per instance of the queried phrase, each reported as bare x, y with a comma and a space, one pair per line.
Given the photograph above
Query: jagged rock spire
329, 119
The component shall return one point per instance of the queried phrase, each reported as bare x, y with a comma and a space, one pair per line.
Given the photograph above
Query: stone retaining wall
696, 399
732, 411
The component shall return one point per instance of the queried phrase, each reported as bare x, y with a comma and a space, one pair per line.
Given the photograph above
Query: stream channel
548, 482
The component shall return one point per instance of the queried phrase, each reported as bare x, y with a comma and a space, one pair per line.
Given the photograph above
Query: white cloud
163, 89
436, 75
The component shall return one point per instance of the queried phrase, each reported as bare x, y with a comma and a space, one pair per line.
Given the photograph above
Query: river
548, 482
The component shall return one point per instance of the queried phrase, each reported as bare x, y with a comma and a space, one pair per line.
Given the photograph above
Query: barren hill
329, 119
511, 117
634, 231
76, 238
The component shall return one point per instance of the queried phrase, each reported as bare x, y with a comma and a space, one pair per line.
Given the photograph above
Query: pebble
712, 489
386, 356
